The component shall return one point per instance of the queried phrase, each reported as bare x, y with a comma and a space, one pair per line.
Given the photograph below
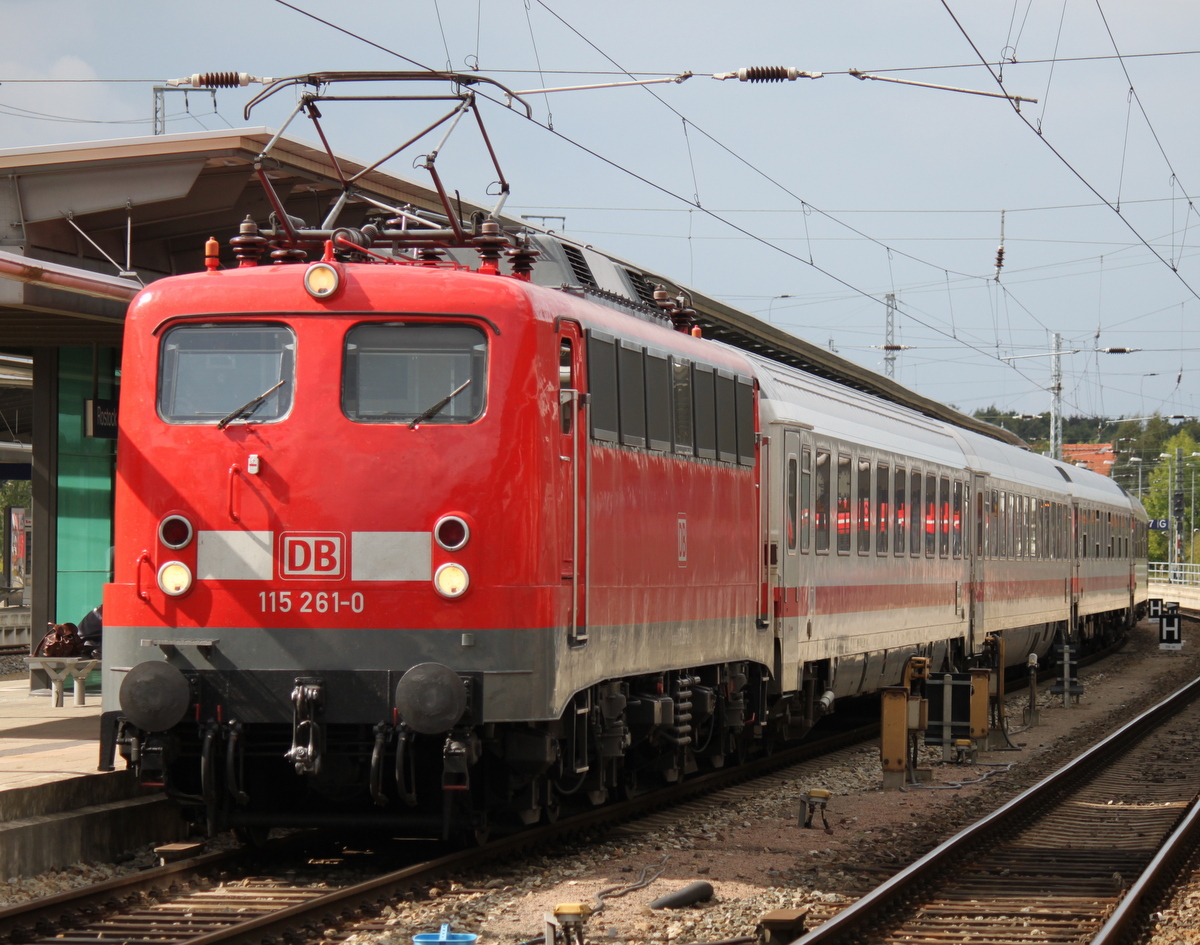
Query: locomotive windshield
395, 373
207, 371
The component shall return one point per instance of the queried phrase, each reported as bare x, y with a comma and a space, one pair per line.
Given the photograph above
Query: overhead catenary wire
730, 151
1083, 180
666, 191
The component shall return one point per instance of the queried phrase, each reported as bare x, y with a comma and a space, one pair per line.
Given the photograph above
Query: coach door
792, 594
573, 478
977, 583
1078, 550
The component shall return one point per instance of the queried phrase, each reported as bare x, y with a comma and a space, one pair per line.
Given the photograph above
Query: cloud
60, 103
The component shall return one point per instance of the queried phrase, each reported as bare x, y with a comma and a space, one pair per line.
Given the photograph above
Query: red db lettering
325, 554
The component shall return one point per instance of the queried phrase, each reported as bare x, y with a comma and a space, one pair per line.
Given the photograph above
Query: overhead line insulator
768, 74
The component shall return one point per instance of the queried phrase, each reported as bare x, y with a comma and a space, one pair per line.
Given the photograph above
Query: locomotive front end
324, 563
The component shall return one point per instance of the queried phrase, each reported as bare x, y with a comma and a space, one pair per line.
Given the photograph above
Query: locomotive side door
573, 477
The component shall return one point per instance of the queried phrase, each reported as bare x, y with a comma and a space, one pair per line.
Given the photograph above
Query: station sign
100, 419
1159, 524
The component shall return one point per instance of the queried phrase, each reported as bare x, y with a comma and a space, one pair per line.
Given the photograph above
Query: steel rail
48, 918
1128, 918
1022, 808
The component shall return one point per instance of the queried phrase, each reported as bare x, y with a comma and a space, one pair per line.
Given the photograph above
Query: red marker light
451, 532
175, 531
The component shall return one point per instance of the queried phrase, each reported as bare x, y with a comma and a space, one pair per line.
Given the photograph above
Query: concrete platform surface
55, 809
39, 743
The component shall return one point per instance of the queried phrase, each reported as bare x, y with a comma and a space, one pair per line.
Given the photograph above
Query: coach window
994, 524
882, 511
1035, 527
898, 502
1027, 518
862, 514
1012, 528
844, 510
602, 386
631, 384
805, 497
658, 401
793, 476
566, 382
956, 547
989, 497
944, 517
1015, 545
914, 512
704, 389
396, 373
821, 502
980, 508
745, 421
1019, 528
681, 393
930, 521
726, 418
1002, 525
206, 372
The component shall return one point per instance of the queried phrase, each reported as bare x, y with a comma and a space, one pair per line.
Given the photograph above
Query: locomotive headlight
450, 580
322, 280
175, 578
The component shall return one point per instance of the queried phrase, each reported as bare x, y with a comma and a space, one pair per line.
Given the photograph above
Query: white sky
918, 172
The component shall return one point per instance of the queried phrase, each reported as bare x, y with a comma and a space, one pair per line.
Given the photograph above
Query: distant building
1098, 457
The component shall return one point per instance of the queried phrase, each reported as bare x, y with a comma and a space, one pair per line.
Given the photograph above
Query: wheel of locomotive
255, 836
552, 809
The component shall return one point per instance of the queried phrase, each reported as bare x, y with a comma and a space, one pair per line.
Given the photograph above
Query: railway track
217, 898
192, 903
1080, 856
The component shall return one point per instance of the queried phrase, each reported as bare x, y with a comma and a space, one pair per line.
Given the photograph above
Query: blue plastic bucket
444, 937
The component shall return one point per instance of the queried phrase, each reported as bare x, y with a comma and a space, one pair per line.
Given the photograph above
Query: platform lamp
1138, 460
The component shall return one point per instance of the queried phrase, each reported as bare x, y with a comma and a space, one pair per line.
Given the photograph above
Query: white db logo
310, 555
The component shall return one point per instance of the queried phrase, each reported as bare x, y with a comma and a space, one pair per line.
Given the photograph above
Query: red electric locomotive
359, 507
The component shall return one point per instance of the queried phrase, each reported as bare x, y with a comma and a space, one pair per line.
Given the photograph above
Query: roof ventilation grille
579, 266
641, 286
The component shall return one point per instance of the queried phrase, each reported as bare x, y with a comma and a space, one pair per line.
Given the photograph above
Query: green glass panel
85, 483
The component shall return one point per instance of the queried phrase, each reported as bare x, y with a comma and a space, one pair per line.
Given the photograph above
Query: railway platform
1188, 595
55, 807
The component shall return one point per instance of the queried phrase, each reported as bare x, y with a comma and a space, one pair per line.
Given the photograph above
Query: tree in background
1138, 446
16, 492
1156, 484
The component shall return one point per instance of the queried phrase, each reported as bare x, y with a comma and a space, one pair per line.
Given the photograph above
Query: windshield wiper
438, 407
247, 409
